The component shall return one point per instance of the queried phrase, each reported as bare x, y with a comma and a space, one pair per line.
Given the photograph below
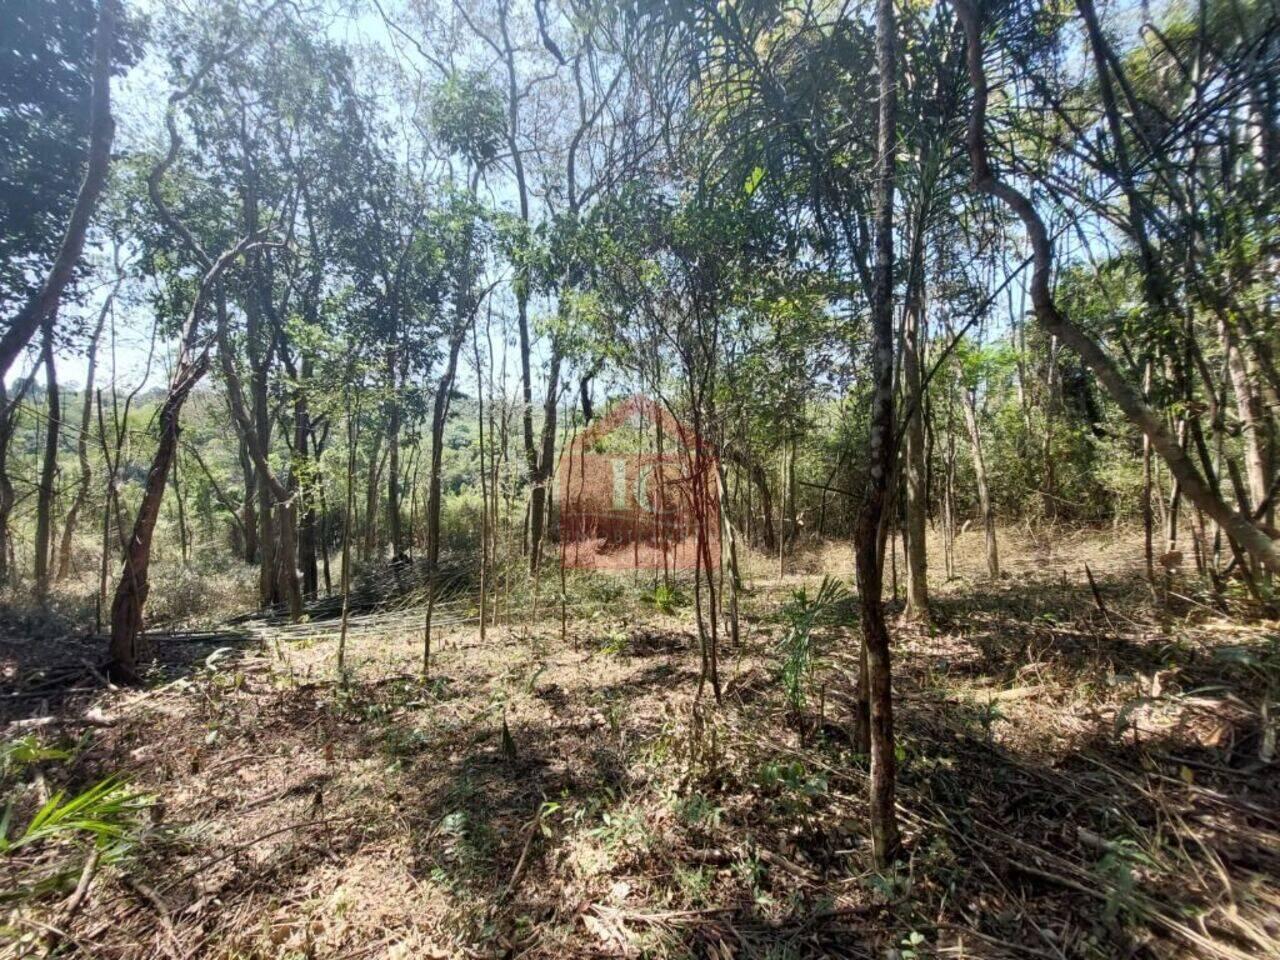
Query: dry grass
1074, 783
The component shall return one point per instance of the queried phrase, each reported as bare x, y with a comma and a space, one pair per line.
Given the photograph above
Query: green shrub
802, 614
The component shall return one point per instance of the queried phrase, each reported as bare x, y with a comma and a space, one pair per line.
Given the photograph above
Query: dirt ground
1081, 776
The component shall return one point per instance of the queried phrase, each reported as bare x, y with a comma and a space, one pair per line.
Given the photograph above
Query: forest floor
1078, 779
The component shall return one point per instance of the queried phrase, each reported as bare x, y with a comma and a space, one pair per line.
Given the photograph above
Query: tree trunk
9, 407
984, 492
782, 511
250, 514
255, 425
347, 518
486, 516
278, 513
729, 558
125, 648
1253, 418
307, 484
542, 463
439, 415
917, 499
182, 510
759, 480
869, 558
949, 495
49, 468
371, 542
325, 536
82, 443
394, 524
44, 305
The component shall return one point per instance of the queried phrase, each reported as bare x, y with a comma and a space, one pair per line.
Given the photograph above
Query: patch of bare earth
1081, 776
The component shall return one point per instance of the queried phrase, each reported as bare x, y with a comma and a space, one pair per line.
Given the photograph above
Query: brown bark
465, 307
485, 513
1148, 524
948, 494
347, 519
126, 648
1238, 527
729, 548
539, 452
704, 569
101, 131
371, 541
282, 504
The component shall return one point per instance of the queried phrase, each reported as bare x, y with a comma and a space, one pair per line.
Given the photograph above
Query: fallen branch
74, 902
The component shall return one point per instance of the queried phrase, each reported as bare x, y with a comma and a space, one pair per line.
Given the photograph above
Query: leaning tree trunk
869, 557
1237, 526
49, 468
101, 131
126, 648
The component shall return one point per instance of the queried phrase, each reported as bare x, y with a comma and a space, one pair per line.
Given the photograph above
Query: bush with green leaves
47, 854
666, 597
802, 614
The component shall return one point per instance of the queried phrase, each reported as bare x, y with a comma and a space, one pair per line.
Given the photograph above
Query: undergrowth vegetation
1072, 781
610, 478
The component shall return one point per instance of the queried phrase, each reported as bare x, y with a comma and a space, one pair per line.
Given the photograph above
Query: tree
29, 133
1241, 528
49, 465
868, 544
126, 649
